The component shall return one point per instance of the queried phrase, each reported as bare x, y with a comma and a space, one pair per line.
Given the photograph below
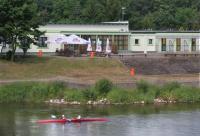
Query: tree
19, 18
187, 19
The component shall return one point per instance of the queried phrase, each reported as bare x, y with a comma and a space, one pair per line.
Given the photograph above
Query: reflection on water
125, 120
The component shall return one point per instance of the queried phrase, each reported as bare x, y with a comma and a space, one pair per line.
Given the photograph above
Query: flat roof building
120, 37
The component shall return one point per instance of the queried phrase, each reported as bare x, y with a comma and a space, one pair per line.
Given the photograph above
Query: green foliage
39, 92
103, 86
142, 86
90, 94
19, 20
8, 55
142, 14
120, 96
30, 92
182, 94
166, 92
73, 95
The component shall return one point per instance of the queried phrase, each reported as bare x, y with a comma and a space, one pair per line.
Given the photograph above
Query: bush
73, 95
103, 86
143, 86
8, 55
30, 92
171, 86
166, 91
186, 94
120, 96
90, 94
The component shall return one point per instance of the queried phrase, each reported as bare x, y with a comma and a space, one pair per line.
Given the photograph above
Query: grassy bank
143, 93
80, 69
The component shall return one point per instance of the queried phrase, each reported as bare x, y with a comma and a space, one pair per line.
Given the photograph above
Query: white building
120, 39
164, 41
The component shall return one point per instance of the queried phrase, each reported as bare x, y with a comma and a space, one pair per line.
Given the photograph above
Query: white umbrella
89, 47
98, 46
56, 39
108, 50
74, 39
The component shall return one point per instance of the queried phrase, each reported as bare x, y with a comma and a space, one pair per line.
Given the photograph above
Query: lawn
82, 69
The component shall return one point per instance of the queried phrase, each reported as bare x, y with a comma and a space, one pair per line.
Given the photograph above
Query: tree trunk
4, 45
14, 44
24, 52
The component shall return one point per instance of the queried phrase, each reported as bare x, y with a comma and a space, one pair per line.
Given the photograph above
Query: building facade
164, 41
120, 37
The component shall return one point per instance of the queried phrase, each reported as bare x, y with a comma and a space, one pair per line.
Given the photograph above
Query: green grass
50, 67
31, 92
39, 92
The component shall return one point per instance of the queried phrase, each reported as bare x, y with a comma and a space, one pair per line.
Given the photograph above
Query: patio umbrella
56, 39
108, 50
98, 46
89, 47
74, 39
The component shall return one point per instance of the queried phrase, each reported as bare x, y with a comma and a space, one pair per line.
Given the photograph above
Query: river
124, 120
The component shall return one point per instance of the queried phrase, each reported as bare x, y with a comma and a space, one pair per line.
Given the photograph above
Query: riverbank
103, 92
83, 72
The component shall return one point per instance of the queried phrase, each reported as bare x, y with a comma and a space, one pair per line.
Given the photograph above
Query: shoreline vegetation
103, 92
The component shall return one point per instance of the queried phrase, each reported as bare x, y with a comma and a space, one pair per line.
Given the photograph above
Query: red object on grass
132, 72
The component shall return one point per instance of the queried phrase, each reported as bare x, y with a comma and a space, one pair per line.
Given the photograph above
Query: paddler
63, 117
79, 117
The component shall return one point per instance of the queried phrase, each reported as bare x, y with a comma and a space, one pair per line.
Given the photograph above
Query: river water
124, 120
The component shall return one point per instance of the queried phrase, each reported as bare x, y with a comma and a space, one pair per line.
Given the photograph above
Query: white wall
186, 41
143, 43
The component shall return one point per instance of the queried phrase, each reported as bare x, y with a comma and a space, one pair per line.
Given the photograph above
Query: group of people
63, 117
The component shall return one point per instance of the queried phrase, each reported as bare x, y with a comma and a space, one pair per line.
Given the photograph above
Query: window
178, 44
42, 42
193, 41
121, 41
136, 41
163, 44
150, 41
193, 44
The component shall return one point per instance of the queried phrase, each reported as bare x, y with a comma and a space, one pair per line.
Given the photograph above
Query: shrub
186, 94
103, 86
8, 55
89, 94
73, 95
166, 91
120, 96
30, 92
143, 86
171, 86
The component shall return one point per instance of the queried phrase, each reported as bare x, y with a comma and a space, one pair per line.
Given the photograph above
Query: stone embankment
157, 65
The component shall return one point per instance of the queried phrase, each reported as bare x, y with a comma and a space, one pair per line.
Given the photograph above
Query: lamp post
123, 12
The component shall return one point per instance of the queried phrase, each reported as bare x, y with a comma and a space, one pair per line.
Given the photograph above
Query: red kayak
73, 120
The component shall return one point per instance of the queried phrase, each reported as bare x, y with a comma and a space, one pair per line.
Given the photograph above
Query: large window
121, 41
42, 42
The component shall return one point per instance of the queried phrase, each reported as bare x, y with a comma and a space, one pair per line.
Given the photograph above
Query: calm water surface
128, 120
